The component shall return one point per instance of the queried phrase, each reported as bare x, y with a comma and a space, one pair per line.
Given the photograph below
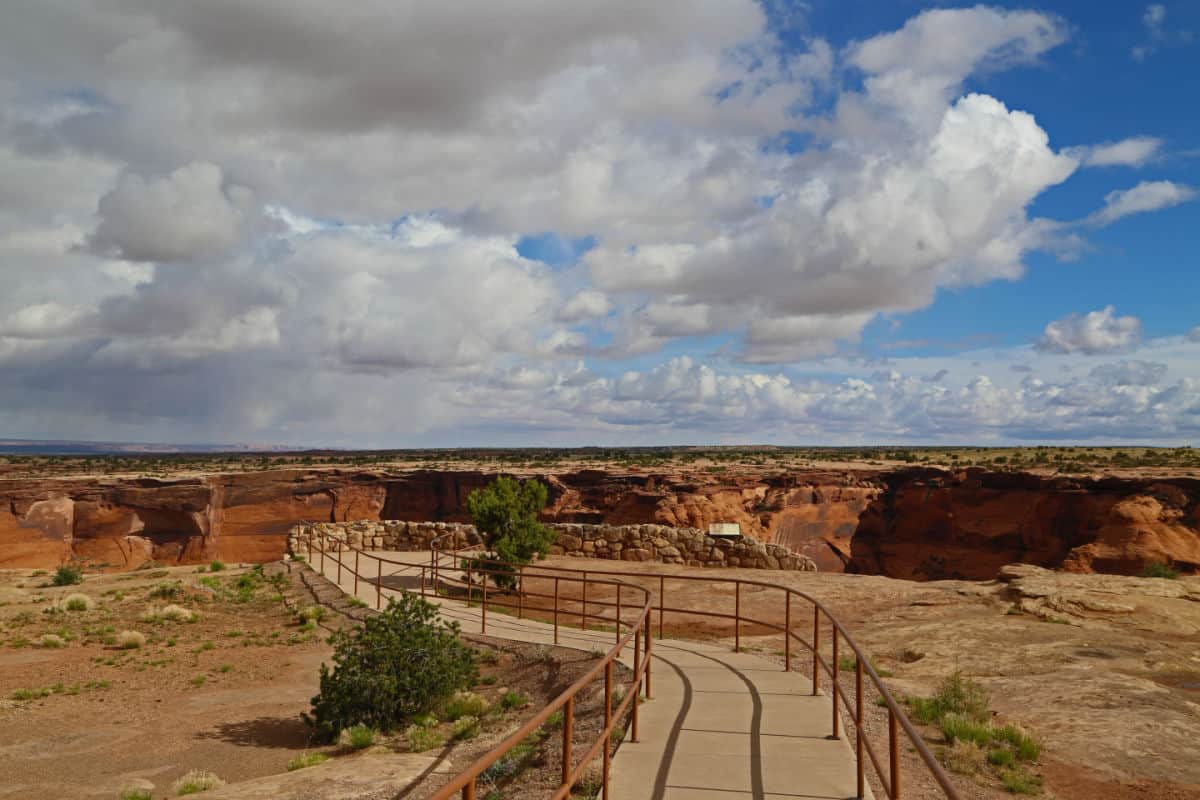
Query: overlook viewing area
691, 718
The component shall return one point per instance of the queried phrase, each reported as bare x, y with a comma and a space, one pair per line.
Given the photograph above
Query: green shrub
400, 663
136, 794
306, 760
167, 590
78, 602
1157, 569
421, 739
956, 695
1020, 781
1001, 757
311, 614
465, 727
216, 566
358, 737
959, 728
510, 700
1024, 746
197, 781
67, 576
464, 704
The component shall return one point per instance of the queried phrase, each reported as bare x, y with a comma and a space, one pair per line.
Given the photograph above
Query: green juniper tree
505, 514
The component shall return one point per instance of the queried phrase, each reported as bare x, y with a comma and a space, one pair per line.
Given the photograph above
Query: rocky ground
1104, 670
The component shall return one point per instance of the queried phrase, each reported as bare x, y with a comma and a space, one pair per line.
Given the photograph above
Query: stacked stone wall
688, 546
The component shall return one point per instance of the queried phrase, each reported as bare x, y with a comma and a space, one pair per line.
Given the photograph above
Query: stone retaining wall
688, 546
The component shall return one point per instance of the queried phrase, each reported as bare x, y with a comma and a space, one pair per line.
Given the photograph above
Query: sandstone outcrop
921, 524
688, 546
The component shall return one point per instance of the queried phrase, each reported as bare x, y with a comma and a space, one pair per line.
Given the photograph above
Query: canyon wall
918, 523
688, 546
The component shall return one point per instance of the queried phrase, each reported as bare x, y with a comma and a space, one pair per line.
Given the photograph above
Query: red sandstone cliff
920, 524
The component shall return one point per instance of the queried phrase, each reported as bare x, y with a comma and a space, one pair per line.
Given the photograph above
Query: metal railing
445, 566
437, 579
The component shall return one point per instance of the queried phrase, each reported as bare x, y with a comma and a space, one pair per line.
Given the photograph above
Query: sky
537, 223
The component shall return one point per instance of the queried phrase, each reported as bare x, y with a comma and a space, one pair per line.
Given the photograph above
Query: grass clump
174, 613
965, 758
130, 640
306, 760
136, 794
358, 737
78, 601
1023, 744
1158, 569
216, 566
957, 694
1020, 781
52, 640
167, 590
464, 704
311, 614
510, 700
960, 728
465, 727
401, 663
197, 781
421, 738
67, 576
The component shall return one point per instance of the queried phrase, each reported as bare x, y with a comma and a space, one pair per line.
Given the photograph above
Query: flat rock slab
362, 777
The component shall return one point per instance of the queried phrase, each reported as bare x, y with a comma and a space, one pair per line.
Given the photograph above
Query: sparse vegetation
510, 700
1157, 569
197, 781
464, 704
358, 737
306, 760
67, 575
465, 727
421, 738
52, 640
78, 602
136, 794
216, 566
130, 640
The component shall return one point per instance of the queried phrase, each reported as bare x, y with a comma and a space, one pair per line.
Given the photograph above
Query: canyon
911, 523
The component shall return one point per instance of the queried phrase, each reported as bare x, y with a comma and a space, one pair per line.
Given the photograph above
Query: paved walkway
721, 725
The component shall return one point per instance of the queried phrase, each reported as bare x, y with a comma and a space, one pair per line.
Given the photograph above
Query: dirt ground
223, 692
1104, 670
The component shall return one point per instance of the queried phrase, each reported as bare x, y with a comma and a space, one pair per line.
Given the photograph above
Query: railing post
339, 560
521, 594
646, 653
737, 617
618, 625
787, 635
608, 673
662, 593
637, 666
356, 555
835, 687
583, 616
470, 585
858, 721
378, 584
894, 753
816, 648
483, 608
556, 609
323, 543
568, 734
469, 790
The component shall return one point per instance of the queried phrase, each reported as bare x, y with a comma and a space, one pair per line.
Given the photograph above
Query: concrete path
721, 725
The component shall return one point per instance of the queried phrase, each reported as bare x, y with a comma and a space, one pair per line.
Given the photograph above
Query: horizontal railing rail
447, 569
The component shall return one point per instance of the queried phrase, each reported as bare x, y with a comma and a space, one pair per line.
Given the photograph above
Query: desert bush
167, 590
1001, 757
421, 739
1020, 781
311, 614
216, 566
130, 640
960, 728
136, 794
306, 760
67, 576
965, 758
357, 737
52, 640
957, 694
465, 727
464, 704
78, 601
400, 663
1157, 569
510, 700
175, 613
1024, 746
197, 781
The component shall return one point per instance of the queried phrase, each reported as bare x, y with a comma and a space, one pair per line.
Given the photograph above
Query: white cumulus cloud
1092, 333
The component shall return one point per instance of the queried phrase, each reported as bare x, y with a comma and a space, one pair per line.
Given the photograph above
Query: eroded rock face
931, 525
918, 524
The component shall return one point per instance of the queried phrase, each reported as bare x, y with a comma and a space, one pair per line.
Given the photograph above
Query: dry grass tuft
78, 601
130, 640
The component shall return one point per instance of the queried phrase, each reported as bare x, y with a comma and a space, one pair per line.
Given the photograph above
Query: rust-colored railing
436, 579
443, 565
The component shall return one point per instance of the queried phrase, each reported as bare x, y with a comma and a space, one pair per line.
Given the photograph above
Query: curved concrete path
721, 725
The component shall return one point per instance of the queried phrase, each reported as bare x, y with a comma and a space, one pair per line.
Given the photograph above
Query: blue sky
600, 222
